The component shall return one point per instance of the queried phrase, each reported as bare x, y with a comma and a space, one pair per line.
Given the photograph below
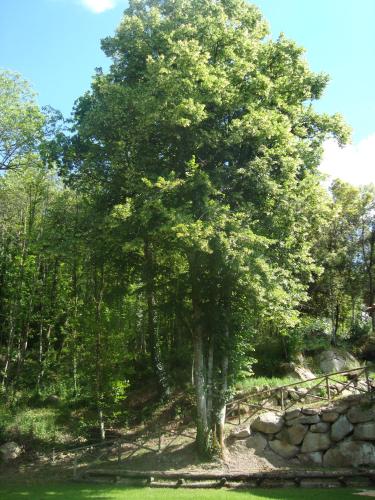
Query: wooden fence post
239, 412
368, 383
75, 464
282, 398
328, 389
118, 452
159, 439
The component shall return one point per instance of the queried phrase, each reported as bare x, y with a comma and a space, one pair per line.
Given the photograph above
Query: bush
5, 420
310, 336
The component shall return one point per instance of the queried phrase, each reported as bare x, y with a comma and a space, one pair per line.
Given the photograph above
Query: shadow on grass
104, 492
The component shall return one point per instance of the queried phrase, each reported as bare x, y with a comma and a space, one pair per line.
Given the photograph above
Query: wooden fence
158, 441
318, 389
325, 388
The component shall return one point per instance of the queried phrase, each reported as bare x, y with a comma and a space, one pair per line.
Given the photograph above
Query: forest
175, 234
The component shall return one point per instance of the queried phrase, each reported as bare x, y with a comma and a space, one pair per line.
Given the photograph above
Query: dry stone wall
340, 435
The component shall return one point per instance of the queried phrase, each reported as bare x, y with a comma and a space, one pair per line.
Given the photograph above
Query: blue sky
55, 44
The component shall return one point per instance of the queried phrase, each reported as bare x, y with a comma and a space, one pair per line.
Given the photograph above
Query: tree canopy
182, 223
203, 137
21, 120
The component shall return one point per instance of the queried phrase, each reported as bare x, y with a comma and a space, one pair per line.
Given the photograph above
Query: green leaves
21, 121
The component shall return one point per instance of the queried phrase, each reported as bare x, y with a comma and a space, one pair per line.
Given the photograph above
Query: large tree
203, 139
21, 121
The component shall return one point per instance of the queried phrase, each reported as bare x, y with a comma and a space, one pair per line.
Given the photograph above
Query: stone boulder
283, 449
256, 442
341, 407
336, 360
302, 391
241, 433
341, 428
297, 371
320, 427
304, 420
358, 414
293, 435
365, 431
53, 400
293, 395
290, 414
350, 454
10, 451
316, 458
310, 411
315, 441
330, 416
268, 423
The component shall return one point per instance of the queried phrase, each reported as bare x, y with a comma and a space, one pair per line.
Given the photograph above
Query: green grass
99, 492
272, 382
36, 423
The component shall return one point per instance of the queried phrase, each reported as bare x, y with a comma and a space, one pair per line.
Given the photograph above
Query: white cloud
354, 163
98, 6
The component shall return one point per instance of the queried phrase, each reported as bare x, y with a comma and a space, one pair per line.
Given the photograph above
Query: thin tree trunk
335, 326
156, 357
98, 297
210, 382
202, 438
220, 413
201, 394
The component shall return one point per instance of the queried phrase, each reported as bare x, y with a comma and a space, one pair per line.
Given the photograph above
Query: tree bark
335, 326
156, 356
200, 370
98, 298
222, 409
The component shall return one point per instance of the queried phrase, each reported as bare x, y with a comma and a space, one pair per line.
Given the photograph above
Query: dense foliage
180, 222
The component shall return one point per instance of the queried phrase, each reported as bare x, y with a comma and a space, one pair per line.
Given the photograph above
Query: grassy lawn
249, 383
99, 492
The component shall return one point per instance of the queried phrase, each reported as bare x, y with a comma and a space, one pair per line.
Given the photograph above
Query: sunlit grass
103, 492
261, 382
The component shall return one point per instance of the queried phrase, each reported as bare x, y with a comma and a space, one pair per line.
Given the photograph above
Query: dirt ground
177, 453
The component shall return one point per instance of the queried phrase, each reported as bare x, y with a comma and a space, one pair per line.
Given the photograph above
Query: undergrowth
263, 382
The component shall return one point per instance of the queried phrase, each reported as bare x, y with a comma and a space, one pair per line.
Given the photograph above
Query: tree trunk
368, 258
210, 382
335, 326
222, 409
98, 297
203, 431
202, 438
156, 357
371, 286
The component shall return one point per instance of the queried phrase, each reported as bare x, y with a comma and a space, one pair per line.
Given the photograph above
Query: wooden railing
358, 380
160, 439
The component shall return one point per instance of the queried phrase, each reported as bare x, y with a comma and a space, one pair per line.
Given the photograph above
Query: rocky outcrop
297, 371
257, 442
10, 451
335, 360
241, 433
